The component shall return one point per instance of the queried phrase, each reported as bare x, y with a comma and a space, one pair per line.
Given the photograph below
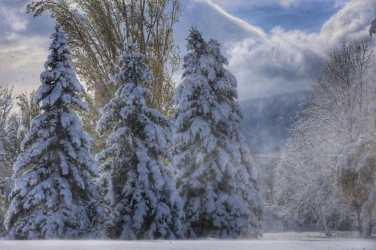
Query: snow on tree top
59, 80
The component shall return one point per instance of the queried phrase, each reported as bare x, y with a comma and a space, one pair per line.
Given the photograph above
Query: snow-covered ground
278, 241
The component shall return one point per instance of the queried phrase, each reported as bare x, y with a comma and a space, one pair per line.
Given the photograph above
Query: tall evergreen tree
134, 176
216, 179
53, 189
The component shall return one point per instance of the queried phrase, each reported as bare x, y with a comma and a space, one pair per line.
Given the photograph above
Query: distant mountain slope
267, 120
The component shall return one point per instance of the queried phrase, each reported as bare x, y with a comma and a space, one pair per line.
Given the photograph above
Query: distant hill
267, 120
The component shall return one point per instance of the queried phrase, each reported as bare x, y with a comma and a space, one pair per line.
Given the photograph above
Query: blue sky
273, 46
305, 15
308, 17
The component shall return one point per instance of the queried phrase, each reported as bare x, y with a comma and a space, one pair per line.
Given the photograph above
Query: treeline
158, 178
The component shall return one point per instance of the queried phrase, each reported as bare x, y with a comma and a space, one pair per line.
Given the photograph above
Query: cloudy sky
273, 46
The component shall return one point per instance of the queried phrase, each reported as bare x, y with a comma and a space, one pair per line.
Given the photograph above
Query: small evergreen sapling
135, 180
217, 178
53, 187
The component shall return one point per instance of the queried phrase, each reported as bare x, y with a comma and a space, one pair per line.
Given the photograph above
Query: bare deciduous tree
357, 180
97, 30
28, 108
6, 104
341, 112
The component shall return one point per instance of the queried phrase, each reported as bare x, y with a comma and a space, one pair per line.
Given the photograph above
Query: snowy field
285, 241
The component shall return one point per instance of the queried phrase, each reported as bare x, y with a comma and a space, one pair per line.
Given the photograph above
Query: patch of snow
284, 242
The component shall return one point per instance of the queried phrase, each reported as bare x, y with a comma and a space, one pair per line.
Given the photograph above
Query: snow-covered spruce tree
217, 178
134, 176
53, 187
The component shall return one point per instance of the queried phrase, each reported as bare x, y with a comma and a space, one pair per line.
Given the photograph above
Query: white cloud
214, 22
237, 21
289, 63
282, 61
294, 58
12, 19
352, 21
21, 63
287, 2
23, 46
